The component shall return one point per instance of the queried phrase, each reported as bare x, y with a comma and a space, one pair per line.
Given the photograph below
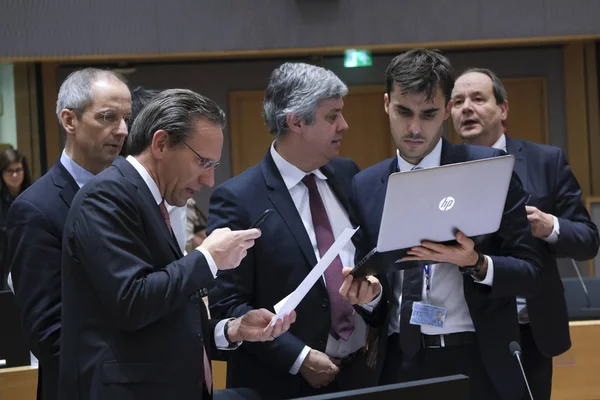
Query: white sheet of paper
290, 302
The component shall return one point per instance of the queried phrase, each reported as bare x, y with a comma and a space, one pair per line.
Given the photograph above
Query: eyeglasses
111, 117
203, 162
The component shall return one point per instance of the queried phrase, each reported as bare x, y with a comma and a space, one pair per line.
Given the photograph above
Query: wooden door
367, 140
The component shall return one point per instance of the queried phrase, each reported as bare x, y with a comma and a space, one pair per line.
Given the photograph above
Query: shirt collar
291, 174
147, 178
79, 174
431, 160
500, 143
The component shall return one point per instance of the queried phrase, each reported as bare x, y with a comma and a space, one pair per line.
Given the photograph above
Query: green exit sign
357, 58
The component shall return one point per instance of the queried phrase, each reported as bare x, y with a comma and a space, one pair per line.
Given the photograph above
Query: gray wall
34, 28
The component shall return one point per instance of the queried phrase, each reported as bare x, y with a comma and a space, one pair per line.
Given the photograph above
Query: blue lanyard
427, 269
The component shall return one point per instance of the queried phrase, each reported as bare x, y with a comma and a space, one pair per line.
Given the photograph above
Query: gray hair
298, 88
174, 111
75, 91
497, 85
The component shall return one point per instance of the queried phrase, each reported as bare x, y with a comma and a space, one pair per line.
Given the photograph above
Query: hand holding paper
290, 302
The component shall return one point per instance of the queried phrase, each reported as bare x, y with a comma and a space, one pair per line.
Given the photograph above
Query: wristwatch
231, 344
474, 269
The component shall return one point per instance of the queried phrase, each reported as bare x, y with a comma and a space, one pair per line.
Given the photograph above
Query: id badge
427, 314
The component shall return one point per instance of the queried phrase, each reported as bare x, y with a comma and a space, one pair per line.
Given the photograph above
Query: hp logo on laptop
446, 204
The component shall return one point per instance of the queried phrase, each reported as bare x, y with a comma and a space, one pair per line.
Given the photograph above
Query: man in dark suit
93, 106
475, 285
302, 179
134, 323
557, 215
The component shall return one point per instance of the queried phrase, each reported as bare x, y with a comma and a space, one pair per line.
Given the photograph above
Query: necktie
342, 312
207, 366
412, 286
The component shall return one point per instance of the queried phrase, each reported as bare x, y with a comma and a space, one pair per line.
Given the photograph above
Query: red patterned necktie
342, 312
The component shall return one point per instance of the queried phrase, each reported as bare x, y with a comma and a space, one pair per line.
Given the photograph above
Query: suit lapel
282, 201
64, 180
159, 223
515, 148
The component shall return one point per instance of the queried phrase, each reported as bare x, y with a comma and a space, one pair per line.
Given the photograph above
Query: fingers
346, 271
346, 285
248, 234
530, 209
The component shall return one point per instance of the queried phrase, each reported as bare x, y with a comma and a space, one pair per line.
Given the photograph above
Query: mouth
414, 142
190, 192
469, 123
337, 141
115, 146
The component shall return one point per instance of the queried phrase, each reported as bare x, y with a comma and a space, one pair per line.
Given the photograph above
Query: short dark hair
139, 98
497, 85
10, 156
420, 71
175, 111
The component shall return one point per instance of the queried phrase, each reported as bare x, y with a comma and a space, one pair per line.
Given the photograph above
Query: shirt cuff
220, 341
373, 303
296, 367
553, 237
211, 263
489, 275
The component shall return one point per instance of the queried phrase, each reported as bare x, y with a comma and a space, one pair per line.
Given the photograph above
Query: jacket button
199, 336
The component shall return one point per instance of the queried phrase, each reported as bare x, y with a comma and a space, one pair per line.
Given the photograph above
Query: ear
448, 109
504, 110
69, 121
160, 143
386, 103
294, 122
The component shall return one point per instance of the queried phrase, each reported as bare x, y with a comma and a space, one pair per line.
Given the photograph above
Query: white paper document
290, 302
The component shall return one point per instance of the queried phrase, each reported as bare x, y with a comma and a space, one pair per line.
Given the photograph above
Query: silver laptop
434, 203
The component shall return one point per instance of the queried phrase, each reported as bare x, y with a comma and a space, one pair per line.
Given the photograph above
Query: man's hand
359, 290
461, 254
542, 224
255, 326
318, 369
228, 248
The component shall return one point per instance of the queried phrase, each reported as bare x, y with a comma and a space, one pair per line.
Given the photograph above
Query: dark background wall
33, 28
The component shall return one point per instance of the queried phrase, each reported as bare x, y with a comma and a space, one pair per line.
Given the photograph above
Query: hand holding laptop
462, 253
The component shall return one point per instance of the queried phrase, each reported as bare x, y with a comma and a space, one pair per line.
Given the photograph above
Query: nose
343, 126
122, 130
207, 178
466, 106
414, 126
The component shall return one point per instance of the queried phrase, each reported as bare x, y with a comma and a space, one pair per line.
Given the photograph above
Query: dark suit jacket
546, 175
35, 228
280, 259
134, 324
517, 269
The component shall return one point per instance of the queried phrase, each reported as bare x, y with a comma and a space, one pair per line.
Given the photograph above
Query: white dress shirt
552, 238
292, 177
178, 217
446, 281
220, 340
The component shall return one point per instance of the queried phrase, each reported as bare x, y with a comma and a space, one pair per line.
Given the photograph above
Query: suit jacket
546, 175
280, 259
35, 228
517, 269
134, 324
